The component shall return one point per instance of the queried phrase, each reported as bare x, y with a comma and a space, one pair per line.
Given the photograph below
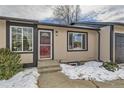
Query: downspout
111, 42
98, 45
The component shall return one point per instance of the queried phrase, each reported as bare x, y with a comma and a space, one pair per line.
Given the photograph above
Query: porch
48, 66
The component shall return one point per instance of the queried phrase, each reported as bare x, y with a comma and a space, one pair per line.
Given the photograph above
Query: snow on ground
24, 79
91, 70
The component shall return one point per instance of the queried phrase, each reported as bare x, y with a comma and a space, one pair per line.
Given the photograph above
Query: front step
49, 70
47, 63
48, 66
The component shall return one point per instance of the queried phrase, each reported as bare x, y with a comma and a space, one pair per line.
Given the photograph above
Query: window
21, 39
77, 41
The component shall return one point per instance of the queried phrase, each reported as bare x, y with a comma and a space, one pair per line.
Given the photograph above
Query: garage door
119, 48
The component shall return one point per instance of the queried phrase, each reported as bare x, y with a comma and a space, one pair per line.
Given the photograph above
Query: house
36, 41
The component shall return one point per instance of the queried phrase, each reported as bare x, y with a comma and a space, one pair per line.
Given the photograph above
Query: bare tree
67, 13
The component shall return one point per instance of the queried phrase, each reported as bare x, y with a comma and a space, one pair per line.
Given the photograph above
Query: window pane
45, 38
16, 45
27, 39
76, 41
45, 51
21, 38
16, 39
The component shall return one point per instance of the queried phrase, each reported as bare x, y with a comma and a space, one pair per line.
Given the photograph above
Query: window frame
10, 27
86, 41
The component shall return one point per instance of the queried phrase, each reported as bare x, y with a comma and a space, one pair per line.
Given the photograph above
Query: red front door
45, 44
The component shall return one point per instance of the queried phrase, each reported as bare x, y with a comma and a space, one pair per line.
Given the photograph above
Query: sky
108, 13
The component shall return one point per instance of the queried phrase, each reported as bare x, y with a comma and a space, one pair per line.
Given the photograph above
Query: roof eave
18, 19
100, 23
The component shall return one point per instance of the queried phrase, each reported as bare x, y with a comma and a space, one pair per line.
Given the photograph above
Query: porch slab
59, 80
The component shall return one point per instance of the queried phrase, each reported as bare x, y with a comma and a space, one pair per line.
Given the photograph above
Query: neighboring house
36, 41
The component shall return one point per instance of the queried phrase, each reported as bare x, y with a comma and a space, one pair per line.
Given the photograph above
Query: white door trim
40, 45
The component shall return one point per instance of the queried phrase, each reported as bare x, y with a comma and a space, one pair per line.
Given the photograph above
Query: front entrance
119, 48
45, 44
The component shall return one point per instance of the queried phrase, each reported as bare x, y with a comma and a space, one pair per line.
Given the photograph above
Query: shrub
9, 63
110, 66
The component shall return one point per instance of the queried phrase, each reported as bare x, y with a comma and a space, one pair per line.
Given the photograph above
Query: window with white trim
77, 41
21, 39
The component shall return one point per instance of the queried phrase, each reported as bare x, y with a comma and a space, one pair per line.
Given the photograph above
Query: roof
69, 26
79, 25
42, 23
97, 24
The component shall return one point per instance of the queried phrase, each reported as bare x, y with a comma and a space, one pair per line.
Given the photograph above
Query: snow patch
91, 70
24, 79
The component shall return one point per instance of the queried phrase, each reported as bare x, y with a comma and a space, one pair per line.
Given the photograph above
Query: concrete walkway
59, 80
111, 84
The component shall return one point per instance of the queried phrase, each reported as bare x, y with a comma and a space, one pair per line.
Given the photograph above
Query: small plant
110, 66
9, 63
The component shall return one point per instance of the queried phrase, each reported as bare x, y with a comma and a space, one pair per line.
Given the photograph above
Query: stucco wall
60, 44
117, 29
2, 34
105, 43
27, 58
